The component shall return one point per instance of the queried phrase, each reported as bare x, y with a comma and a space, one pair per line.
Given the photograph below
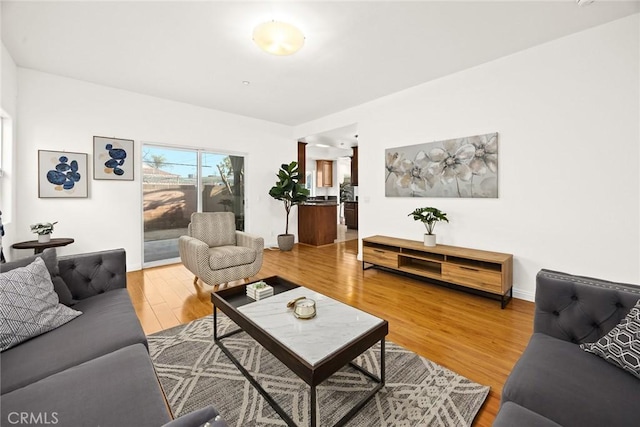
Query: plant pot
429, 239
44, 238
285, 241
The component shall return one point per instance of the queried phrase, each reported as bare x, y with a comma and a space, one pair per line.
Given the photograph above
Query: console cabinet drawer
479, 278
381, 257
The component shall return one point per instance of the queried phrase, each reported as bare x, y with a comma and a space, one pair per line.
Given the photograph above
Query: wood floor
466, 333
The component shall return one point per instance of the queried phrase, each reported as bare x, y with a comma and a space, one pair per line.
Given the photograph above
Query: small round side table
39, 247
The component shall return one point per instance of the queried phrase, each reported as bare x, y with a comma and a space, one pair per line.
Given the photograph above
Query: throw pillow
28, 304
51, 261
621, 346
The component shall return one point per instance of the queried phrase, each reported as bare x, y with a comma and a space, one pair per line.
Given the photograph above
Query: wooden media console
483, 271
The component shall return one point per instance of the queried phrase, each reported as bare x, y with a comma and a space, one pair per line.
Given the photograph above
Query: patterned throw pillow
621, 346
28, 304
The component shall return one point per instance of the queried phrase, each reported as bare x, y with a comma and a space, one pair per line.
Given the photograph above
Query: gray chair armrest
193, 253
94, 273
580, 309
249, 241
207, 416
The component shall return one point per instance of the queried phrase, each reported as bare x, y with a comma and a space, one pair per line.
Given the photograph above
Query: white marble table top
335, 324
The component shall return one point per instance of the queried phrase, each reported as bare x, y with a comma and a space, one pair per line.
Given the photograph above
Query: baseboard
525, 295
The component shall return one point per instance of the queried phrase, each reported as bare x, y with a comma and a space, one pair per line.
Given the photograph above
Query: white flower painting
464, 167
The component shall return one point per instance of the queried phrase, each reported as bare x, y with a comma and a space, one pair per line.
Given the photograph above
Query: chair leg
195, 280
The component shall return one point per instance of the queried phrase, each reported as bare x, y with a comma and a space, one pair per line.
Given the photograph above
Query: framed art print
62, 174
462, 168
112, 158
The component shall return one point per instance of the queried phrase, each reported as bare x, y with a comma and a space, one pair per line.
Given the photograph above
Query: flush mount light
278, 38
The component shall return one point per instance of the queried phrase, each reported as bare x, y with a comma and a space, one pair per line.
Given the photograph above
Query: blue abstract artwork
62, 174
113, 158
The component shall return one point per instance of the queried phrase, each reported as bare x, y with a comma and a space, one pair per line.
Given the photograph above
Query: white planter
429, 239
44, 238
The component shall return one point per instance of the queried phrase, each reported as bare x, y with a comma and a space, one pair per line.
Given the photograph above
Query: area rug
195, 373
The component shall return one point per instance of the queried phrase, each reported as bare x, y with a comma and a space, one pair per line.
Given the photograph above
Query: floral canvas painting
463, 167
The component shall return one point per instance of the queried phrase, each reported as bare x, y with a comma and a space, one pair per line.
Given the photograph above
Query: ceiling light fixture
582, 3
278, 38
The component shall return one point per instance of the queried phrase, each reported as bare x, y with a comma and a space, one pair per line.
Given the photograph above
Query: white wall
8, 107
569, 189
64, 114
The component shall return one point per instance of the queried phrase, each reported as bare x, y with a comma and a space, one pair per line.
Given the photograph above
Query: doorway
339, 147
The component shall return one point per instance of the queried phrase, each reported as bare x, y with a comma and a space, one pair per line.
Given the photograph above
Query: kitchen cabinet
302, 161
324, 173
351, 215
354, 167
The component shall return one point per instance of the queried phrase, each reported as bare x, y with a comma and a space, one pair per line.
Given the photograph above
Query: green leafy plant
288, 189
43, 228
429, 216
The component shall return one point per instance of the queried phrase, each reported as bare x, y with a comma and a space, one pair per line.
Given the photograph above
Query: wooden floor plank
466, 333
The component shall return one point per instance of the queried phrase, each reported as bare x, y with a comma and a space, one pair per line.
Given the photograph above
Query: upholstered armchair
216, 252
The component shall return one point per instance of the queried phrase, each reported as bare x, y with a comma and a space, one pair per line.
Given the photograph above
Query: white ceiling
201, 52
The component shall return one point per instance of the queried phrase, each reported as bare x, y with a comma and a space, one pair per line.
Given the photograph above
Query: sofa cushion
558, 380
621, 346
50, 258
512, 415
117, 389
28, 304
109, 322
230, 256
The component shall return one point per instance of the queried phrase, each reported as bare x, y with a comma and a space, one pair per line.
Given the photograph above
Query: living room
566, 111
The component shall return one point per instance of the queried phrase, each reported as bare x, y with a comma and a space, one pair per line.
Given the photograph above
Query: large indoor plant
429, 217
289, 190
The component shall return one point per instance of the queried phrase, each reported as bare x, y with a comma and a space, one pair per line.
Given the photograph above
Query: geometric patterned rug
194, 373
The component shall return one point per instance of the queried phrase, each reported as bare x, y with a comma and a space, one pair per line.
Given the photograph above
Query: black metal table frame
286, 418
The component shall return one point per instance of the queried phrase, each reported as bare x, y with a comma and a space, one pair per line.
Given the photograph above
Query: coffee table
314, 349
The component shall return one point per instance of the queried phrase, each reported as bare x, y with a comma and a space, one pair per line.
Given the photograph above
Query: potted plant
429, 217
291, 192
43, 230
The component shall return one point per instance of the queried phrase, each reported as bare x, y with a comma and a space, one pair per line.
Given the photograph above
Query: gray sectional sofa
555, 382
95, 369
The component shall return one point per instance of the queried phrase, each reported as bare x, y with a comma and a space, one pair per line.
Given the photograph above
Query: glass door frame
199, 151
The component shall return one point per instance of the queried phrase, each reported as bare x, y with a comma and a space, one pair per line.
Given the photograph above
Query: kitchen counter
318, 223
319, 202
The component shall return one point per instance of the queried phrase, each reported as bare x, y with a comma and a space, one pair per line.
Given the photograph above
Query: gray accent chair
555, 382
95, 369
216, 253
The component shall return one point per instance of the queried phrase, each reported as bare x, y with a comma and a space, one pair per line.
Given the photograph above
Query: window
177, 182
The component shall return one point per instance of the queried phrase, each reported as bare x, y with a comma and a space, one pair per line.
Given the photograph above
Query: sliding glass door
223, 185
178, 182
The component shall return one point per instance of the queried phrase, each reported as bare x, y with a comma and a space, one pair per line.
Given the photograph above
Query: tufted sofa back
94, 273
580, 309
